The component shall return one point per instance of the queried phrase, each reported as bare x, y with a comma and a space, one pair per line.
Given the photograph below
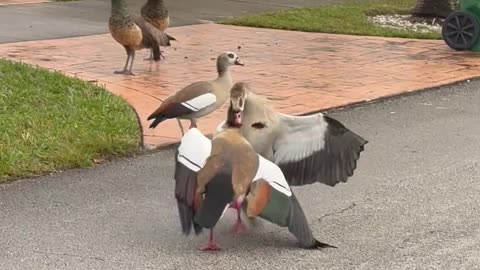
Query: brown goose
308, 149
155, 12
134, 34
209, 175
200, 98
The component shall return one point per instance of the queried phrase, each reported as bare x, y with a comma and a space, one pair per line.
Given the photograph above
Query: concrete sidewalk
89, 17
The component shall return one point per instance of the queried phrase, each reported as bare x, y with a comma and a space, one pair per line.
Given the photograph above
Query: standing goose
155, 13
200, 98
308, 149
134, 34
209, 175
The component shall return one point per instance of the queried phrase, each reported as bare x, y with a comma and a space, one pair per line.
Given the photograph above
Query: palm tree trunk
432, 8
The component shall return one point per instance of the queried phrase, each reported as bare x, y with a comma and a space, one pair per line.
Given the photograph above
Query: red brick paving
300, 71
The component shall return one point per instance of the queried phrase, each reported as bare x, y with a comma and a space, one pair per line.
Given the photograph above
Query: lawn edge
107, 158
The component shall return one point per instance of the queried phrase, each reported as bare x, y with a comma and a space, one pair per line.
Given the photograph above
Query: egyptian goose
134, 34
209, 175
200, 98
308, 149
155, 12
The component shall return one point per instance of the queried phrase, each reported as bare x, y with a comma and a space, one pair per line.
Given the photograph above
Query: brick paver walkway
20, 2
299, 71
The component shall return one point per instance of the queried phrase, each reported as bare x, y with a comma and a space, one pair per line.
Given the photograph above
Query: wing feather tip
321, 245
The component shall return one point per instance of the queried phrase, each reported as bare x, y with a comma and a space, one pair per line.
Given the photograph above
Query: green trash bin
461, 29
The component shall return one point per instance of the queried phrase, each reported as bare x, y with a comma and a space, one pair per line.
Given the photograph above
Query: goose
134, 33
155, 13
210, 174
308, 149
199, 98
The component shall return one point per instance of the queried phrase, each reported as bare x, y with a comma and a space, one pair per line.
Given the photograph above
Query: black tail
298, 226
156, 53
320, 245
158, 120
170, 37
218, 194
185, 185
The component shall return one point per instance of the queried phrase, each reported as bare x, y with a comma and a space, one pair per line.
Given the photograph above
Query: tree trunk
432, 8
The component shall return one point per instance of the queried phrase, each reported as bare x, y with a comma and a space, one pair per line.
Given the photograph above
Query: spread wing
190, 157
272, 199
316, 148
273, 175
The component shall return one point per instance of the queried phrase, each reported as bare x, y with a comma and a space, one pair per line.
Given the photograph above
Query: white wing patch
194, 149
271, 173
300, 137
220, 127
200, 102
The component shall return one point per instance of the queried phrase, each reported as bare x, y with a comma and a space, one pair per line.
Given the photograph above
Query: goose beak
237, 118
239, 62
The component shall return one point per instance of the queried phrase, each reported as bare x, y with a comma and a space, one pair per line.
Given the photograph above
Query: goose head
227, 59
238, 95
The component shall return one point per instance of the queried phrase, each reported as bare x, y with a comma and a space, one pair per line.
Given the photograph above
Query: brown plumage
232, 153
199, 98
226, 175
134, 34
155, 13
209, 175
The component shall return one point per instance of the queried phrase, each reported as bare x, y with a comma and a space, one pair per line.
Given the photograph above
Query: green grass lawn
51, 122
348, 18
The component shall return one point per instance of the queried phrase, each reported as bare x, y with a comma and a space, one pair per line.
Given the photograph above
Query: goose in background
199, 98
209, 175
134, 33
156, 13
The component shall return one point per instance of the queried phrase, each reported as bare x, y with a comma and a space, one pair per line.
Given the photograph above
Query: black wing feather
298, 226
331, 165
218, 194
185, 184
173, 110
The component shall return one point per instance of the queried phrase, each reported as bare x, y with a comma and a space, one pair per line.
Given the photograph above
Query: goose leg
193, 123
181, 127
212, 244
131, 63
151, 55
239, 227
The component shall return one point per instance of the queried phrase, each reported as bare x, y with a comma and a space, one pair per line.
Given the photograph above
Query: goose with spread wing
308, 149
210, 175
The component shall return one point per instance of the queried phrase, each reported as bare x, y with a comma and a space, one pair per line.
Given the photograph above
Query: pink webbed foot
211, 245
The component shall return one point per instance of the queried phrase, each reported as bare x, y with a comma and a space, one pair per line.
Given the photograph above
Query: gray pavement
412, 204
90, 17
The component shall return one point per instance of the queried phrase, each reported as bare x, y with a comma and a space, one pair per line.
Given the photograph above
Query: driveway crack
351, 206
69, 255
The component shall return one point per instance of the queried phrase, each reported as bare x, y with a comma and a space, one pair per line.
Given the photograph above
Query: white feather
200, 102
271, 173
299, 137
195, 147
220, 127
